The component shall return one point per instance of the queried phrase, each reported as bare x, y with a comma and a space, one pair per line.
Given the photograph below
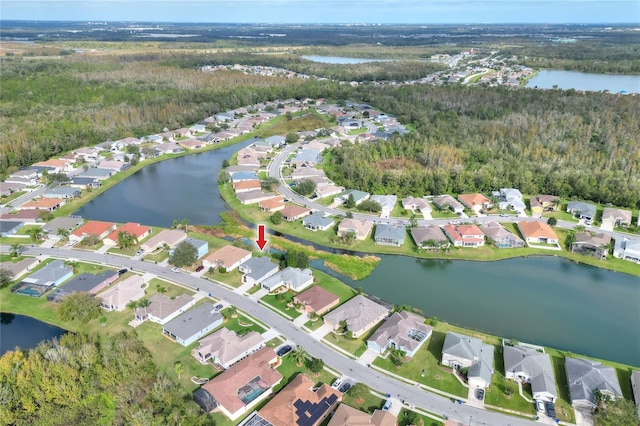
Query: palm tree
175, 223
185, 224
143, 303
178, 368
126, 240
299, 355
63, 233
132, 304
74, 265
36, 234
233, 310
15, 248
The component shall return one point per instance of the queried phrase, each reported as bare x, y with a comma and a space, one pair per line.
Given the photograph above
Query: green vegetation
282, 302
355, 346
307, 121
185, 254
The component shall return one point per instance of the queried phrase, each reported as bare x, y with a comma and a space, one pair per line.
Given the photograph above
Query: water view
543, 300
24, 332
341, 59
184, 187
547, 79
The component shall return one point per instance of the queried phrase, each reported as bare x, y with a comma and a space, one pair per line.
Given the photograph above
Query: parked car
139, 252
344, 388
387, 405
337, 383
540, 405
122, 271
176, 269
199, 268
551, 411
284, 350
480, 394
217, 307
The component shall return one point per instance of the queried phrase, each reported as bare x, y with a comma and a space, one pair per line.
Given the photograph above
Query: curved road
428, 401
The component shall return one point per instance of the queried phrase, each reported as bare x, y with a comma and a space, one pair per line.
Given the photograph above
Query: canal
543, 300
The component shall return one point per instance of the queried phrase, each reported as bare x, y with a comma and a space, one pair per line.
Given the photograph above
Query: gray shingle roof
426, 233
585, 377
535, 364
390, 232
192, 321
483, 368
317, 220
397, 327
358, 312
258, 267
585, 209
51, 273
64, 222
462, 346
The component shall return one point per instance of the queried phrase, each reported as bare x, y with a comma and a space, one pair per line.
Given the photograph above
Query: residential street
413, 395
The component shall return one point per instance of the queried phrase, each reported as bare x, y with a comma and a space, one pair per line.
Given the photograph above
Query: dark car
199, 268
284, 350
217, 307
344, 388
480, 394
122, 271
551, 411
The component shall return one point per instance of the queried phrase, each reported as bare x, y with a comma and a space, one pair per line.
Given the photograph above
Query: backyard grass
355, 346
427, 359
280, 303
334, 285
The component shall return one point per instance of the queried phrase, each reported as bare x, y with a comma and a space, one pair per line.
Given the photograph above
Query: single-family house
359, 228
96, 173
429, 237
527, 365
24, 177
420, 204
228, 257
116, 298
276, 141
169, 148
49, 204
246, 186
294, 212
9, 228
475, 202
7, 188
612, 217
193, 324
403, 331
585, 377
298, 403
92, 227
510, 198
84, 182
306, 172
138, 231
317, 300
390, 235
582, 210
65, 223
117, 166
239, 169
627, 249
446, 201
168, 237
387, 202
635, 388
84, 282
295, 279
542, 204
359, 313
51, 275
54, 165
163, 309
244, 385
248, 159
592, 244
324, 191
499, 236
537, 232
306, 156
243, 176
460, 351
255, 196
224, 347
19, 268
358, 196
202, 247
61, 192
272, 205
464, 235
349, 416
317, 221
191, 144
257, 269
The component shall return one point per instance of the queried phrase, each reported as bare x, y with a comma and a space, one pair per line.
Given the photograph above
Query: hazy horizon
410, 12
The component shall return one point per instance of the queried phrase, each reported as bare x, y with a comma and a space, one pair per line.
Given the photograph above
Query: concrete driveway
584, 417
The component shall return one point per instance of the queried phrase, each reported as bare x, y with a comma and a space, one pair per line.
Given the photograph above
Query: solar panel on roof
309, 413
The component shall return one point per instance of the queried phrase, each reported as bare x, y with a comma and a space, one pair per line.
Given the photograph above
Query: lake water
184, 187
546, 79
340, 59
24, 332
545, 300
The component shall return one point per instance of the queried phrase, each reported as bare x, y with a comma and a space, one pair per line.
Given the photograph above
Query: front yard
282, 302
355, 346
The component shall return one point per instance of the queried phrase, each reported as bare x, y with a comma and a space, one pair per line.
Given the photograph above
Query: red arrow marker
261, 241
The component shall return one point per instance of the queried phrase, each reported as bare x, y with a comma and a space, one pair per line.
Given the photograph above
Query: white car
336, 384
176, 269
540, 405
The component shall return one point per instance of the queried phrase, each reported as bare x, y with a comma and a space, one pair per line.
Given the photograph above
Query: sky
328, 11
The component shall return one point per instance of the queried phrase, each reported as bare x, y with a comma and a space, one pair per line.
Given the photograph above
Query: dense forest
475, 139
79, 380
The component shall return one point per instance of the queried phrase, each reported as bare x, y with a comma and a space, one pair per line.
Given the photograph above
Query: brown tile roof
21, 214
271, 203
294, 211
317, 298
246, 184
471, 200
281, 410
224, 387
46, 203
536, 229
349, 416
227, 256
134, 229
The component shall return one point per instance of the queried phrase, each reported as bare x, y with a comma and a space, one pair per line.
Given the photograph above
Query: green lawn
256, 288
26, 229
370, 403
426, 421
354, 346
289, 370
314, 325
7, 199
443, 214
241, 324
499, 384
427, 359
158, 256
281, 304
334, 285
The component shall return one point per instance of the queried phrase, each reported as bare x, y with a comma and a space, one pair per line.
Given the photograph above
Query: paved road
23, 199
418, 397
